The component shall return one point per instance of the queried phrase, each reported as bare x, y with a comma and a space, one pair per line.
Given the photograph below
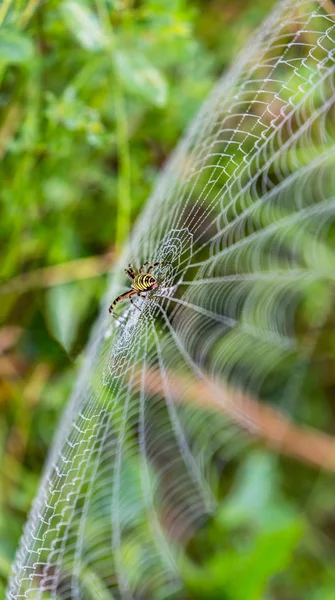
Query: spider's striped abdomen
145, 282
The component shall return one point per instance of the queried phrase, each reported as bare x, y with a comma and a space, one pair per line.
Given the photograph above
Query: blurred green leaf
140, 77
245, 573
66, 305
94, 586
255, 498
84, 25
4, 566
254, 486
271, 554
15, 47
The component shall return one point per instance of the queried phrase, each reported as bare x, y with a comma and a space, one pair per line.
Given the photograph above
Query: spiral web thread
244, 215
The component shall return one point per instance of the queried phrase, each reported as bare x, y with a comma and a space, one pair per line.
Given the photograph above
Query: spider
142, 282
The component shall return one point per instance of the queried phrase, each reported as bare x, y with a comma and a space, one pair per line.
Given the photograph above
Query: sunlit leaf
140, 77
66, 305
84, 25
15, 47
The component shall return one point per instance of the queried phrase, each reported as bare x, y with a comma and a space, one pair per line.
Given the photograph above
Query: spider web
244, 215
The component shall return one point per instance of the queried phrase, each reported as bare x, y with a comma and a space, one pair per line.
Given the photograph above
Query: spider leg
152, 265
133, 303
130, 272
120, 298
119, 318
144, 265
142, 295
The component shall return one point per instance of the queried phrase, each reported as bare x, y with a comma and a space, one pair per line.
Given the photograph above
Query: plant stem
4, 10
123, 218
28, 12
124, 174
264, 422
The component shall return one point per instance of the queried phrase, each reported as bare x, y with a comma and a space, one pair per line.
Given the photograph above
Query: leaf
253, 489
245, 572
66, 305
94, 585
272, 553
140, 77
15, 47
4, 566
84, 25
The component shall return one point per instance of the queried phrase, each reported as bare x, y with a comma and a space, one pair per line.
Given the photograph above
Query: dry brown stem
267, 423
328, 7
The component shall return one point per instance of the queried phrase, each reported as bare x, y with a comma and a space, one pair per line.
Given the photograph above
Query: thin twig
83, 268
264, 422
9, 127
328, 7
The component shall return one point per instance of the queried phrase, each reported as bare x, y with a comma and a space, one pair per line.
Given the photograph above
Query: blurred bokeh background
85, 128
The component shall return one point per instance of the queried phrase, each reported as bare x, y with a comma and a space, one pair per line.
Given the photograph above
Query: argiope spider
142, 282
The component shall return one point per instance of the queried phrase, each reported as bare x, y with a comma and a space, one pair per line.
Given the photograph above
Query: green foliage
15, 48
257, 533
140, 78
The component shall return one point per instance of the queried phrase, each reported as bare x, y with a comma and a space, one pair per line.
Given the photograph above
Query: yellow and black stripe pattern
144, 282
